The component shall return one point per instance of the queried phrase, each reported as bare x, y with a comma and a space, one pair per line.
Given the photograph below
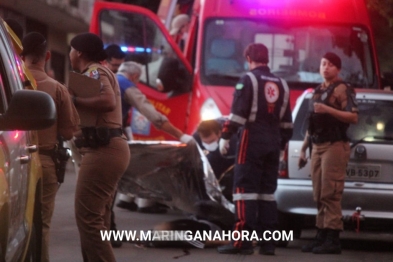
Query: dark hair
114, 51
207, 127
34, 45
257, 53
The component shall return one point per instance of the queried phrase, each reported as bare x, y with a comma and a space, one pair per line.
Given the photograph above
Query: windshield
295, 51
143, 42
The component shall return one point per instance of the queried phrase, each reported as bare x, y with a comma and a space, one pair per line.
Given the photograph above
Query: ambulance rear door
167, 76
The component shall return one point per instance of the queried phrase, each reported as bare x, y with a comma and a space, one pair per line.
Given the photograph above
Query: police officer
128, 77
104, 147
207, 136
35, 55
261, 113
115, 57
332, 108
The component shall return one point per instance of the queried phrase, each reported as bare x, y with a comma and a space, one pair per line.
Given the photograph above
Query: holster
60, 156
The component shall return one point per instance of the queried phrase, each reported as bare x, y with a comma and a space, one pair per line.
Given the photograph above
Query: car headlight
209, 110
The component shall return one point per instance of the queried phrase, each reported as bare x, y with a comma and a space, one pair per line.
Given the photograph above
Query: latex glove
186, 139
224, 146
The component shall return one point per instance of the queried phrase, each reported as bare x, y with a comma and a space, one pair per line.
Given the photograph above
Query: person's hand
320, 108
302, 160
187, 139
224, 146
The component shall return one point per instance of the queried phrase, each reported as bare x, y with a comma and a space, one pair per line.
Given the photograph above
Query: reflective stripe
286, 125
237, 119
253, 196
286, 98
254, 104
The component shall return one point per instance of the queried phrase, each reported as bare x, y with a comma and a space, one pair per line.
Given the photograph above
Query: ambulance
199, 80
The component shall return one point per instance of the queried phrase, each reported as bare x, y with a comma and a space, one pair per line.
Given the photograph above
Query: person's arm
348, 114
171, 130
67, 116
302, 158
343, 116
135, 98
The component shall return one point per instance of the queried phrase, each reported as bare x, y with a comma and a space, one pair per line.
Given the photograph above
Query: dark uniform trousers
255, 182
100, 171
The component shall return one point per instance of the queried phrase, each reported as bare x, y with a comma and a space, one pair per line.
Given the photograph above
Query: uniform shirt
67, 116
264, 111
133, 97
109, 85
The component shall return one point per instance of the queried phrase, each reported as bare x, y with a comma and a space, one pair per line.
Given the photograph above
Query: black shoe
267, 249
116, 243
230, 249
155, 209
331, 245
127, 205
319, 239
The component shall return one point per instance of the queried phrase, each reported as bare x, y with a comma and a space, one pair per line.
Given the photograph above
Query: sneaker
230, 249
155, 209
267, 250
127, 205
116, 243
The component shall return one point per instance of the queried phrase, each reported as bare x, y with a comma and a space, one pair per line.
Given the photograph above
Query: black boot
331, 245
319, 239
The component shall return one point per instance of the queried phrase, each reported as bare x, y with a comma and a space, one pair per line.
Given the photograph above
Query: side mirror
29, 110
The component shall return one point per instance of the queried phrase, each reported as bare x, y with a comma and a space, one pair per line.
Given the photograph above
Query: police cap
91, 45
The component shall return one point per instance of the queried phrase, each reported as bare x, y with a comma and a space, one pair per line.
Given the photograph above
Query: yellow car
21, 112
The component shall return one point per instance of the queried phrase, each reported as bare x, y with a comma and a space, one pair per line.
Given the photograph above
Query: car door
15, 156
167, 76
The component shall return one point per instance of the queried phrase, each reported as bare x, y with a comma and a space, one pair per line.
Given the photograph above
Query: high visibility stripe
286, 98
237, 119
287, 125
254, 104
241, 217
253, 196
243, 147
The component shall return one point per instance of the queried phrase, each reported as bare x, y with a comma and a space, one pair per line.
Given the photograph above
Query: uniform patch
93, 73
271, 92
239, 86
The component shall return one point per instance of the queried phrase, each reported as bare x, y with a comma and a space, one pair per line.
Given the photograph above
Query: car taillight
283, 167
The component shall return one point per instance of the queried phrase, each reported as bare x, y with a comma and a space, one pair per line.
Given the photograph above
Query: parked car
369, 178
20, 177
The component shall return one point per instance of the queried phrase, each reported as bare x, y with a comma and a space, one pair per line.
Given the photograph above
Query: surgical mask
210, 147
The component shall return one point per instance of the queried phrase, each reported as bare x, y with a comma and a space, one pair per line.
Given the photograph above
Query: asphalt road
65, 244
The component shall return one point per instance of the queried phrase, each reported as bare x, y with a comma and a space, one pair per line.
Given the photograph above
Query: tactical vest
324, 127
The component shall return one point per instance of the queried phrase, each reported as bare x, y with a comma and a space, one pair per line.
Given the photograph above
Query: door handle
32, 148
24, 159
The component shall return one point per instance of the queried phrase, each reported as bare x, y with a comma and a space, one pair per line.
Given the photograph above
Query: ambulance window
145, 43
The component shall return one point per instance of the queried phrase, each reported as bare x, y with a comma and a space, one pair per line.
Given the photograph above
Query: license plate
363, 171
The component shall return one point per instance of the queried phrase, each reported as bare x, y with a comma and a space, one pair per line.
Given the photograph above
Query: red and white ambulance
199, 81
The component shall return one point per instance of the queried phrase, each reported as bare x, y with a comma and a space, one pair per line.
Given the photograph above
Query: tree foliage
383, 7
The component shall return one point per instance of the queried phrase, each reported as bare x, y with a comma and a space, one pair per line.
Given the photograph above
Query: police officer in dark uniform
104, 148
332, 109
261, 115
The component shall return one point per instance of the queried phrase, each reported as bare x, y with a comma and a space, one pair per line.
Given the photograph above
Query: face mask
210, 147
